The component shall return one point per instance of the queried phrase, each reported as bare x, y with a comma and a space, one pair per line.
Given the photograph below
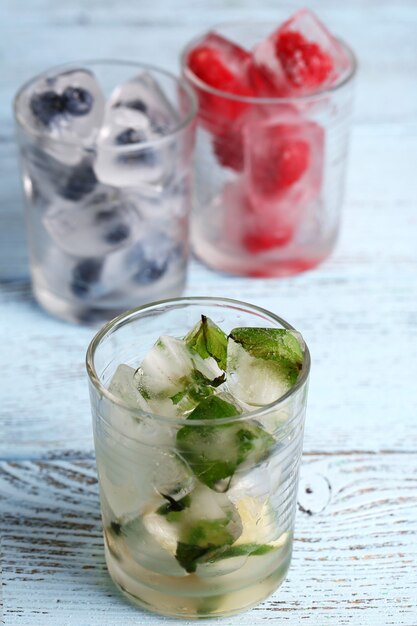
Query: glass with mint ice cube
198, 413
106, 153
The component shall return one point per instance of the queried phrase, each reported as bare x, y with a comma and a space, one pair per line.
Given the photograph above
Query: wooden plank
355, 558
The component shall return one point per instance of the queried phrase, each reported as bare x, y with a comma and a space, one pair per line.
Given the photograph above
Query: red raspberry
222, 65
228, 147
205, 63
286, 162
262, 241
305, 63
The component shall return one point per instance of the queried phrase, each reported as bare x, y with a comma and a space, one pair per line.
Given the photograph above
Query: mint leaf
201, 538
214, 452
272, 344
207, 339
188, 555
172, 505
245, 549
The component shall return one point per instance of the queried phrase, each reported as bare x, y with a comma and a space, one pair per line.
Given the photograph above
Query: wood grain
355, 551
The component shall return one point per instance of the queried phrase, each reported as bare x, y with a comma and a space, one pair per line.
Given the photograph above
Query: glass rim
265, 100
128, 316
92, 147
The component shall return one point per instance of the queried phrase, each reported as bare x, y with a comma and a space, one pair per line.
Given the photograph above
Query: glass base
270, 264
195, 597
97, 312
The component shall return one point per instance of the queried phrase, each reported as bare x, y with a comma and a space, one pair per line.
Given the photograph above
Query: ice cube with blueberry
152, 258
143, 94
66, 110
132, 152
96, 227
298, 58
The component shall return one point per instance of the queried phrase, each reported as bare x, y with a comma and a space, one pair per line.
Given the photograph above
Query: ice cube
121, 158
216, 451
173, 379
143, 94
221, 64
300, 57
67, 109
104, 223
262, 364
257, 230
123, 386
284, 156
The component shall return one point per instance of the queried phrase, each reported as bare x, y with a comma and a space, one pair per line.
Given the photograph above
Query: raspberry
286, 161
205, 63
305, 64
228, 148
220, 64
262, 241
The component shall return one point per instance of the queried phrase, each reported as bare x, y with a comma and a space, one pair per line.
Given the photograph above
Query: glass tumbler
138, 460
269, 171
105, 149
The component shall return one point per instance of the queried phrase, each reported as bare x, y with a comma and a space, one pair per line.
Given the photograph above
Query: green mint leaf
228, 552
115, 528
207, 339
173, 505
188, 555
215, 452
272, 344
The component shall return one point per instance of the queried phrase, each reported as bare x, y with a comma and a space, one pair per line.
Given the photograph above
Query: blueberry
132, 136
151, 271
81, 181
136, 105
105, 215
119, 233
47, 106
78, 101
84, 275
129, 136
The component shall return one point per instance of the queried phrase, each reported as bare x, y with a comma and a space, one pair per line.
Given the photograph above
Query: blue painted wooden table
355, 559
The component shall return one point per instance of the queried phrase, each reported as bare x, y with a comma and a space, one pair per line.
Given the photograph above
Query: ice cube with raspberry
222, 65
283, 155
299, 58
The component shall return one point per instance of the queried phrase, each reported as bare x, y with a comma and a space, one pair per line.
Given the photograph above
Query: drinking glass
138, 459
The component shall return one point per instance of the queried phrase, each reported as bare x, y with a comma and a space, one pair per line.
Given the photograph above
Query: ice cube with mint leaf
208, 341
171, 379
215, 450
202, 521
263, 363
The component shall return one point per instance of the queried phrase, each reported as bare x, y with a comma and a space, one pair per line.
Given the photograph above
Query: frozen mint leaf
272, 344
188, 555
201, 538
208, 340
245, 549
215, 451
262, 363
115, 528
172, 505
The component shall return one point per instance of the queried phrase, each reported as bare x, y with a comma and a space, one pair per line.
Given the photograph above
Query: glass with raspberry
273, 123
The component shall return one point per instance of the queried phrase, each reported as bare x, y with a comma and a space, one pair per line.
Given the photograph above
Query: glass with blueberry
273, 122
105, 153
